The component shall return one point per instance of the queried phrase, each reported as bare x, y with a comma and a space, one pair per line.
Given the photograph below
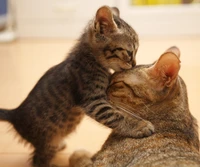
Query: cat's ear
166, 69
104, 22
115, 11
174, 50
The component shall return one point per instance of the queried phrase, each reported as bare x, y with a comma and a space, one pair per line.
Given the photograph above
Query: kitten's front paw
143, 129
80, 157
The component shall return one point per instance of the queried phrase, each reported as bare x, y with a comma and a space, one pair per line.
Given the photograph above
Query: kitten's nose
130, 53
134, 63
132, 58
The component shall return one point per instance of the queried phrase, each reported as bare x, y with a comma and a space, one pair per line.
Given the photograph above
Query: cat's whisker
127, 111
168, 134
148, 109
130, 113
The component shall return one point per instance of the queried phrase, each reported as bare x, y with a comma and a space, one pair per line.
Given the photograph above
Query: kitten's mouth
127, 66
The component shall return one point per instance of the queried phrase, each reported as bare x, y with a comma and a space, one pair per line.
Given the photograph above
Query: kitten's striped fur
155, 93
76, 86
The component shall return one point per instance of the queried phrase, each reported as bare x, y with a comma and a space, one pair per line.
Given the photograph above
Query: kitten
76, 86
155, 93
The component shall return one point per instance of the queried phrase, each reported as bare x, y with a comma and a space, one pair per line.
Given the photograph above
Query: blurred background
66, 18
37, 34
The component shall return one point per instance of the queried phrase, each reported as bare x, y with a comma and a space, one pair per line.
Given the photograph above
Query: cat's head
146, 84
156, 93
112, 39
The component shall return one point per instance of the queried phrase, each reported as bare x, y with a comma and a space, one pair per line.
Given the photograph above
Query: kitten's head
113, 40
147, 84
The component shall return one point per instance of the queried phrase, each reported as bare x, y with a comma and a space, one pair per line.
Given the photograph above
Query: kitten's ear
104, 22
166, 69
115, 11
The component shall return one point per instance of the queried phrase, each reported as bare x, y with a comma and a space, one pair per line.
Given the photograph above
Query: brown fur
76, 86
155, 93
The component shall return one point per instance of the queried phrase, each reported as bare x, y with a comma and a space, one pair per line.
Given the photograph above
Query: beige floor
24, 61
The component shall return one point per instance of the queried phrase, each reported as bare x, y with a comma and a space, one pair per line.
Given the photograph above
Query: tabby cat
155, 93
76, 86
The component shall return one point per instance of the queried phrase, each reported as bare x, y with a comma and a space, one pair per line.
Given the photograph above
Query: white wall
67, 18
171, 20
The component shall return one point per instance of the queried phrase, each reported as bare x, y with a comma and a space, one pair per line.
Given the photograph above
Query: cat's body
157, 94
76, 86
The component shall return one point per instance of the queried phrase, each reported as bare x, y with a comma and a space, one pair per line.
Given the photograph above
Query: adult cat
76, 86
157, 94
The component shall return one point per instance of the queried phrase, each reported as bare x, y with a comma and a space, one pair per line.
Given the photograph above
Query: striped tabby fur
155, 93
76, 86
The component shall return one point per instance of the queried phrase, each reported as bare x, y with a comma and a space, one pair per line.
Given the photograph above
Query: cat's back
162, 151
158, 150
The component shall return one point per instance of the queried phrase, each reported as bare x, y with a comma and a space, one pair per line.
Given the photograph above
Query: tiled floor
24, 61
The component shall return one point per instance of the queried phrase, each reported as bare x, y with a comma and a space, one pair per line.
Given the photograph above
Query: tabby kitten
155, 93
76, 86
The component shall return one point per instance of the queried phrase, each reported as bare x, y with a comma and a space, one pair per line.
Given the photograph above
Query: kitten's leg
43, 156
136, 128
74, 117
80, 158
46, 149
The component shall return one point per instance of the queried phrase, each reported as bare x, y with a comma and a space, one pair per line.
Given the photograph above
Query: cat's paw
80, 157
143, 129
